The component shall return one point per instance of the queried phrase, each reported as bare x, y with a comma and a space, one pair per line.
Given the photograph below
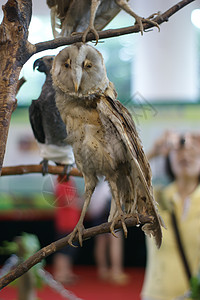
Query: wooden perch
26, 169
55, 246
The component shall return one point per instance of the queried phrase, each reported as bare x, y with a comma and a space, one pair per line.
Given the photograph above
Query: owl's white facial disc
79, 69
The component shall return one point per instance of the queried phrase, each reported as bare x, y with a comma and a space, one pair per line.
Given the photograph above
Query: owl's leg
139, 20
119, 215
89, 189
93, 10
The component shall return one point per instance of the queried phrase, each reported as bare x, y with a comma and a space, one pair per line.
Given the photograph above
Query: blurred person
67, 214
108, 250
167, 274
109, 258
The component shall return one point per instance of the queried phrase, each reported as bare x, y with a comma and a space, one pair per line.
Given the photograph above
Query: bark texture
14, 52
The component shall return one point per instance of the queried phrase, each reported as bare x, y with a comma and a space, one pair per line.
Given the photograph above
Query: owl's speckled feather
103, 136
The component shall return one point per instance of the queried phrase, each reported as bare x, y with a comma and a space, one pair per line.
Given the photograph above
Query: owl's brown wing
123, 122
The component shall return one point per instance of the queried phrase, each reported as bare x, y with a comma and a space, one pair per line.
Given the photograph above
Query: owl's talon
78, 229
93, 30
140, 22
153, 15
71, 244
112, 231
115, 221
76, 33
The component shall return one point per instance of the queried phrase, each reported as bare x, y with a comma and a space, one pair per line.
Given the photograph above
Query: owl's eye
87, 64
68, 63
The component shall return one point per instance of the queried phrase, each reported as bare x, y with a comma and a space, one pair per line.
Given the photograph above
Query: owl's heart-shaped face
79, 69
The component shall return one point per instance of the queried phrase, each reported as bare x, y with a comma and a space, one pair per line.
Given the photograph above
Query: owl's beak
76, 76
76, 86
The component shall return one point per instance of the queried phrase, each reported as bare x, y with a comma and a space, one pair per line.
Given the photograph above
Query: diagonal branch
55, 246
161, 18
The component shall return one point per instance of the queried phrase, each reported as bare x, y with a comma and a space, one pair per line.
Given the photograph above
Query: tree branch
26, 169
55, 246
111, 32
21, 81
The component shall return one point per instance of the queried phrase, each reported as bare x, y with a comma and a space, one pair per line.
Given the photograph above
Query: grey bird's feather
47, 125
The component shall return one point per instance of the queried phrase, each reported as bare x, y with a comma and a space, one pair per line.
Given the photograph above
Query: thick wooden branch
13, 47
55, 246
26, 169
111, 32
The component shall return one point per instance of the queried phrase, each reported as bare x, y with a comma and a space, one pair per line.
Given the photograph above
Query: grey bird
47, 125
104, 138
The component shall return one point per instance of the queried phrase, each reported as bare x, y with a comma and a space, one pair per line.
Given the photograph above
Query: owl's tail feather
154, 229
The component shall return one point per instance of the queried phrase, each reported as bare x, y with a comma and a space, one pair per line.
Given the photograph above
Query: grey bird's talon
44, 164
67, 170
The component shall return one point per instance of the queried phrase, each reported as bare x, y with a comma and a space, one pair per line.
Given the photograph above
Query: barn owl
47, 125
68, 16
104, 138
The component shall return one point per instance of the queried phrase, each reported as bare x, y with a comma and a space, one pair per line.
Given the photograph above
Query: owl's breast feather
96, 144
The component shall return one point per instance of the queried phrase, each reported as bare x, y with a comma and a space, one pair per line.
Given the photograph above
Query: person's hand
165, 143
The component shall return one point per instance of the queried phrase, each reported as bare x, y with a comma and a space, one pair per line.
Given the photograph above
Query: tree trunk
14, 52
